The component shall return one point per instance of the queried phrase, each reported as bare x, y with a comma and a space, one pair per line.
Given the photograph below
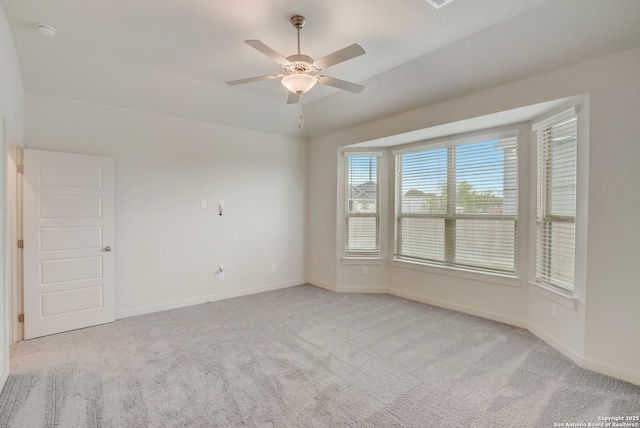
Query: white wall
601, 331
613, 268
11, 99
167, 248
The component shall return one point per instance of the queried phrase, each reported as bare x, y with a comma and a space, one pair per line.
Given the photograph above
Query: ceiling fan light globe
299, 83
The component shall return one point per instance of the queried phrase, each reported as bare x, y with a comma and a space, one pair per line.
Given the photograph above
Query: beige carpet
304, 357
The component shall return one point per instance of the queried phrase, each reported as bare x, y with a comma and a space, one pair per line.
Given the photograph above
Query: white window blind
362, 205
556, 201
457, 205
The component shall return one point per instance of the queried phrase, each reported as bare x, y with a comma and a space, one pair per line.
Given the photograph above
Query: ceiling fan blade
339, 56
340, 84
293, 98
254, 79
258, 45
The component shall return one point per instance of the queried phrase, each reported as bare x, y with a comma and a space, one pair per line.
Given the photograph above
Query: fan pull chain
301, 116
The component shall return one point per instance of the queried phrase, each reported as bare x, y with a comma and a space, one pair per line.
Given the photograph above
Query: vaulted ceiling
173, 57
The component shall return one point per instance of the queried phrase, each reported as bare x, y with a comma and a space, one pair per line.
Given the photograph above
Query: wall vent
439, 3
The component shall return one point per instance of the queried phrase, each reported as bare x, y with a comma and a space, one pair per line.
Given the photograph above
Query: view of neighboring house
362, 197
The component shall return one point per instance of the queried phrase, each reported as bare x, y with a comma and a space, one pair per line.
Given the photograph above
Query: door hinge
20, 169
20, 243
21, 318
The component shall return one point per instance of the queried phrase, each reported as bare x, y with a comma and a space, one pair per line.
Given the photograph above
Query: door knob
107, 248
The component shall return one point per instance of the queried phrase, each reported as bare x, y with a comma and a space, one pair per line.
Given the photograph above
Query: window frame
366, 254
543, 205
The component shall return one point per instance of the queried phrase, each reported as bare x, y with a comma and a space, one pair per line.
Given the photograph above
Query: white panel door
68, 242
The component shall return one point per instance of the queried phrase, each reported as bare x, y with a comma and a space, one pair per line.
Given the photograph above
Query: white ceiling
172, 57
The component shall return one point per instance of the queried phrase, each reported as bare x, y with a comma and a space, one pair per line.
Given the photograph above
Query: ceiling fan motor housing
300, 64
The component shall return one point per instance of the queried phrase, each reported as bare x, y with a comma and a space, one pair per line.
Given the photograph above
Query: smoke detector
46, 30
439, 3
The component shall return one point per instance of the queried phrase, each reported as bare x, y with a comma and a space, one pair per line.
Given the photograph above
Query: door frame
13, 231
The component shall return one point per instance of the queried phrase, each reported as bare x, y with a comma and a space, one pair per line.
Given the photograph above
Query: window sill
362, 261
564, 298
492, 278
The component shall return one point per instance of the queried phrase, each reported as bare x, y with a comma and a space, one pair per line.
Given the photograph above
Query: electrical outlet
220, 272
203, 204
365, 270
554, 310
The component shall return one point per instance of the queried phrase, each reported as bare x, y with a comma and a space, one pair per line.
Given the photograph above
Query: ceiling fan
300, 70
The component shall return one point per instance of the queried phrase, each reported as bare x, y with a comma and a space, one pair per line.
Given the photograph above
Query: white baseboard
204, 299
374, 290
556, 344
583, 362
616, 372
460, 308
322, 285
4, 377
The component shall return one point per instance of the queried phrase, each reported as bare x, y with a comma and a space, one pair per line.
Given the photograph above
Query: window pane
563, 176
556, 253
486, 243
486, 178
422, 238
362, 184
423, 184
362, 234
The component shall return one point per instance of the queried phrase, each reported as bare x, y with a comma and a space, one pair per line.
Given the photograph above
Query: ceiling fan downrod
298, 22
